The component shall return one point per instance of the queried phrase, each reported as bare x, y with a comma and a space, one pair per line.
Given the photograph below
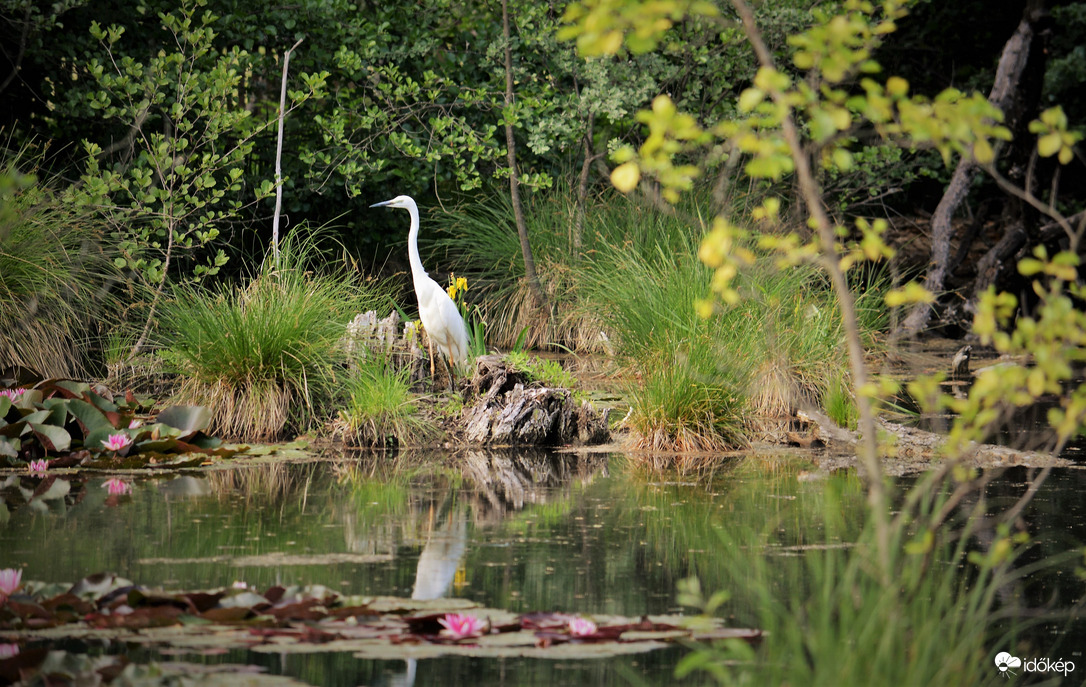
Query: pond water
526, 531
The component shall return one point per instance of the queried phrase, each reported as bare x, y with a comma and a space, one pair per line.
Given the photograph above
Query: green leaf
52, 438
89, 416
188, 419
1049, 144
10, 447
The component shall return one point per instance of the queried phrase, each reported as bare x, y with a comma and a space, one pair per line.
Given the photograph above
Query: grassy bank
630, 286
54, 277
265, 355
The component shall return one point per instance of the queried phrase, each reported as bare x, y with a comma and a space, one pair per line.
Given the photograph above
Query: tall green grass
479, 241
54, 276
380, 408
701, 384
833, 619
265, 355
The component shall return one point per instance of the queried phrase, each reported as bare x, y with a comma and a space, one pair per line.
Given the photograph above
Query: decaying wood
510, 411
1012, 62
368, 335
912, 449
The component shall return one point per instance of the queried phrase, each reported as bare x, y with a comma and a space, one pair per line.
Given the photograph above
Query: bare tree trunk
279, 153
582, 191
17, 61
1008, 74
514, 182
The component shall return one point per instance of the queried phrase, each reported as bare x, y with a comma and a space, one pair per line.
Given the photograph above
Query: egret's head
397, 202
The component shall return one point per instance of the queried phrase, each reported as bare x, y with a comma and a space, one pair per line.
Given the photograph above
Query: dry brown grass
565, 324
257, 411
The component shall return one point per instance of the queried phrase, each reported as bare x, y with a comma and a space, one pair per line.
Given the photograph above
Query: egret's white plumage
438, 313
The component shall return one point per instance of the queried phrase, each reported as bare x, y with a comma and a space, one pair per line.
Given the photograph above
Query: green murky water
519, 531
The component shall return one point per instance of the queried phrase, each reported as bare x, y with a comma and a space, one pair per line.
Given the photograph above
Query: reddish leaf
155, 616
68, 602
202, 601
112, 671
28, 610
22, 666
227, 615
352, 612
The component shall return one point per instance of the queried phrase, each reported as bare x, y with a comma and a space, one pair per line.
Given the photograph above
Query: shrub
265, 356
53, 277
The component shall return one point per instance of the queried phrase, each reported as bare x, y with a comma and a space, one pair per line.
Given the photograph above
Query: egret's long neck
417, 270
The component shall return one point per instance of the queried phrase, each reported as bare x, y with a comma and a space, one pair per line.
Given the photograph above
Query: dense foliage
161, 120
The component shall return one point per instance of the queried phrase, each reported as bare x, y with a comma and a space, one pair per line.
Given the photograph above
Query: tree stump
511, 410
368, 335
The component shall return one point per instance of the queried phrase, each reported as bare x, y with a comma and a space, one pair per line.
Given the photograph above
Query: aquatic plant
38, 467
582, 627
9, 582
62, 417
265, 356
117, 442
461, 625
116, 486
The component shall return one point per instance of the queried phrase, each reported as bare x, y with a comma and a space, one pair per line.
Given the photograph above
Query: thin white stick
279, 152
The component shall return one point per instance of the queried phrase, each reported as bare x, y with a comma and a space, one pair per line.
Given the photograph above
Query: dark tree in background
417, 90
979, 231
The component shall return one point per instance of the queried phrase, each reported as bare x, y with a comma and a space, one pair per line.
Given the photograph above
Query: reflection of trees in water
507, 481
268, 484
409, 499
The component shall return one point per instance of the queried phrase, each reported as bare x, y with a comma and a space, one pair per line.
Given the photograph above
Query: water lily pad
90, 418
53, 439
312, 619
188, 419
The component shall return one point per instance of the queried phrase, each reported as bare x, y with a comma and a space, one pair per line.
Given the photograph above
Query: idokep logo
1005, 662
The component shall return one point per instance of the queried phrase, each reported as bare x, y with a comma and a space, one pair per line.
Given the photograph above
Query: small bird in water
959, 365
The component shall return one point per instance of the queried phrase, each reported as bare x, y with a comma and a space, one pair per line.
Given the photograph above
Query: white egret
439, 315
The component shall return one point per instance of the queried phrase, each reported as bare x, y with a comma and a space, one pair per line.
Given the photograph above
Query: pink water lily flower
8, 650
12, 394
38, 467
134, 424
582, 627
460, 625
9, 582
116, 442
117, 487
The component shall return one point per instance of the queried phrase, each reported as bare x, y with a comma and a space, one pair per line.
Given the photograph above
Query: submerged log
913, 449
510, 410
